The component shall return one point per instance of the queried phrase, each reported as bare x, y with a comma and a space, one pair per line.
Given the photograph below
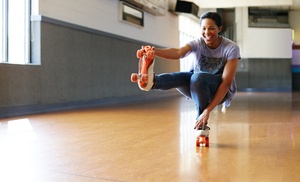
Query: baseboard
14, 111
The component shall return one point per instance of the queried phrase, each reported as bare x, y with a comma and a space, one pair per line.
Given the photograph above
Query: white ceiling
291, 4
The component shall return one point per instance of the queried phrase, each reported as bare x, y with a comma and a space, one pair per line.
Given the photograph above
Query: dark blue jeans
201, 87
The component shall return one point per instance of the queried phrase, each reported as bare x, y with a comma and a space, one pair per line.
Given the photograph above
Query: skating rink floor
257, 139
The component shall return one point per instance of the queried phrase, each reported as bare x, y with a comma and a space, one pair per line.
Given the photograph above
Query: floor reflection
255, 131
16, 157
257, 139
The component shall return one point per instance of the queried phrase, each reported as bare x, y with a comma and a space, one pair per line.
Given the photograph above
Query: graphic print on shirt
209, 65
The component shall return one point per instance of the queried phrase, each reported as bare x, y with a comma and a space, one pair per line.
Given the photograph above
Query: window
189, 30
131, 14
275, 17
15, 31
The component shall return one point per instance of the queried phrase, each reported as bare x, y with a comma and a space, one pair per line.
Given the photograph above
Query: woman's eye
210, 29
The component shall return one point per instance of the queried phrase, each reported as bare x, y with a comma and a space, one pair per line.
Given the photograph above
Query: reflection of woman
211, 82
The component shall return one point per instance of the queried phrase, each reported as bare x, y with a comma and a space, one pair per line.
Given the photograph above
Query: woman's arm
173, 53
227, 77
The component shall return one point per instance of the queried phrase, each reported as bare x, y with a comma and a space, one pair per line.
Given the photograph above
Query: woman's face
210, 31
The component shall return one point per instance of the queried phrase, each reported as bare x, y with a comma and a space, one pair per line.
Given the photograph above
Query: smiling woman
211, 80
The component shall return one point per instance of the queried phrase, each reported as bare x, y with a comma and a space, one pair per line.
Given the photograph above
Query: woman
211, 82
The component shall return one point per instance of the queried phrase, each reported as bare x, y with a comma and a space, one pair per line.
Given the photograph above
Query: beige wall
294, 19
262, 42
103, 15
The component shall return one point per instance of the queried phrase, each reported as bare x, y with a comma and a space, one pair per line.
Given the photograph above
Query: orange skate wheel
207, 142
144, 78
150, 54
147, 48
139, 53
197, 142
202, 139
134, 77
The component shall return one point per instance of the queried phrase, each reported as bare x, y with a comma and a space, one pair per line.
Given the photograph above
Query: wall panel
79, 67
265, 74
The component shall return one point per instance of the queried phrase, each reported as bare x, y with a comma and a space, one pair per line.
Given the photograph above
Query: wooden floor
256, 140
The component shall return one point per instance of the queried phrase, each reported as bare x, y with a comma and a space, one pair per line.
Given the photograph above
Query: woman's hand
202, 120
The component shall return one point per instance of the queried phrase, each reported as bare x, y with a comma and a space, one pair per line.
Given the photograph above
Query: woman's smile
210, 33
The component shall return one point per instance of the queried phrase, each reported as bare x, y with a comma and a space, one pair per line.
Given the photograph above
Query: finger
198, 126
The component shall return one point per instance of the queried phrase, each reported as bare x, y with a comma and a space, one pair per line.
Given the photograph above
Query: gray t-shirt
213, 61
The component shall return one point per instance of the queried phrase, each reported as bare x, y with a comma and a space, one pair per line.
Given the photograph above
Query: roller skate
202, 137
145, 74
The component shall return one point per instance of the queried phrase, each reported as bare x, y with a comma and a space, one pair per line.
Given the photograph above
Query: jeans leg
203, 87
178, 80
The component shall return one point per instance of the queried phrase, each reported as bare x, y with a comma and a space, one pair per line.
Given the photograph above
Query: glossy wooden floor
257, 140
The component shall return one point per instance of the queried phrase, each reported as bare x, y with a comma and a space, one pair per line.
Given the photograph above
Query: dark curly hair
212, 15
